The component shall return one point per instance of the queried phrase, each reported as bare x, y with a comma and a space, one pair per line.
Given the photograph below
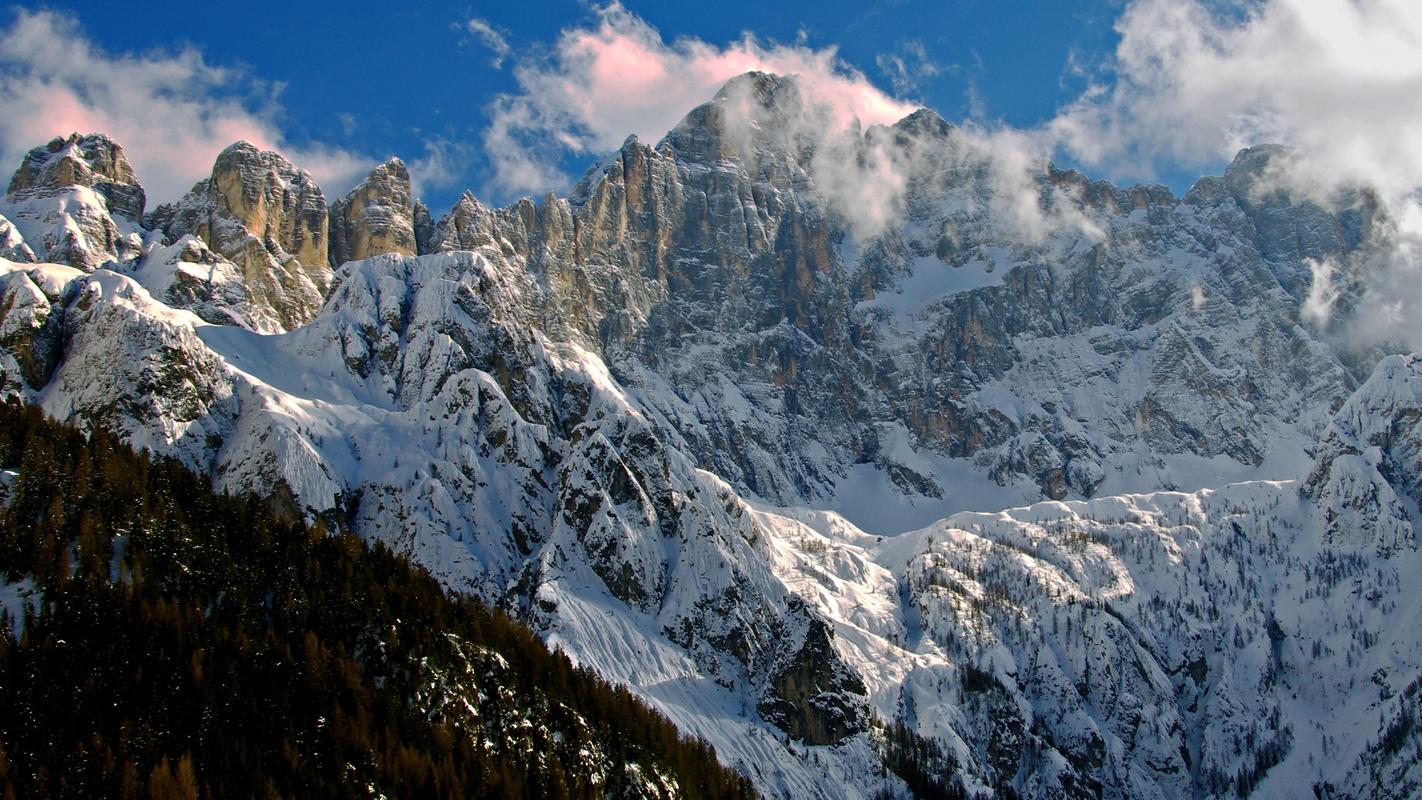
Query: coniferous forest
181, 643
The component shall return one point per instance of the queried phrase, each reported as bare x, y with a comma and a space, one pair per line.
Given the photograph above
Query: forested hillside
174, 642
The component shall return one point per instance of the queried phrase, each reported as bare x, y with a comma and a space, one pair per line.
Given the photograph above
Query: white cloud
1337, 80
618, 77
1192, 84
443, 164
908, 68
1322, 292
172, 113
490, 37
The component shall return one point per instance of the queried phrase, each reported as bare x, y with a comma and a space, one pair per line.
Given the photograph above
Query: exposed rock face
813, 696
1062, 361
76, 201
267, 217
377, 217
425, 229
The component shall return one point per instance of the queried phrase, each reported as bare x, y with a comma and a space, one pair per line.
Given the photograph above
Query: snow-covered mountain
1049, 470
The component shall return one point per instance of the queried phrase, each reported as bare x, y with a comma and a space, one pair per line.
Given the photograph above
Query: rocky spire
269, 218
378, 216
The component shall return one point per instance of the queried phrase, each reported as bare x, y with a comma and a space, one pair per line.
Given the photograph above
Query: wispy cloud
443, 164
1192, 83
171, 112
483, 32
908, 68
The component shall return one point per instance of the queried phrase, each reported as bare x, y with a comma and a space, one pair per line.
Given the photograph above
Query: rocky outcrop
813, 696
377, 217
269, 218
76, 201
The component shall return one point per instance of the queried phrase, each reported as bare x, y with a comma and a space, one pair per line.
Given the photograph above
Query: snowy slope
1146, 645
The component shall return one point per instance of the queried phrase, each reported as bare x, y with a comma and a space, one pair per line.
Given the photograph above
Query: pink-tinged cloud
619, 77
171, 113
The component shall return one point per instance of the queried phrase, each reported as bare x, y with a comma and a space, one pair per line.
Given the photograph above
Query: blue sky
382, 79
498, 98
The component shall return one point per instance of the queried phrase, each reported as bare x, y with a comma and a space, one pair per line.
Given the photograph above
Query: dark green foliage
189, 644
931, 773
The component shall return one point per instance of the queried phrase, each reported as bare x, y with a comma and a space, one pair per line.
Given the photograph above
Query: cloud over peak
171, 112
618, 76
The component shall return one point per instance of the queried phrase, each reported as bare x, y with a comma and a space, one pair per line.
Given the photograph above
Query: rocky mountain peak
1258, 177
94, 161
272, 199
1266, 181
924, 122
378, 216
269, 219
467, 226
754, 118
767, 89
75, 201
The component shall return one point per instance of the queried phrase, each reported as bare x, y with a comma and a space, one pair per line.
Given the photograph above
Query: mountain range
801, 431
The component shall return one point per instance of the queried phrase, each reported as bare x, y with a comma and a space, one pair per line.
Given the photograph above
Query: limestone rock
376, 218
94, 161
813, 696
76, 201
269, 218
425, 229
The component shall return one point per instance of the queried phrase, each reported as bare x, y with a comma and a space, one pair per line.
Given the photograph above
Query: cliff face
1367, 477
268, 218
74, 201
377, 217
1121, 339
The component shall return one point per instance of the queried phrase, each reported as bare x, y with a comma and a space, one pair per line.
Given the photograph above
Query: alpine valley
1058, 476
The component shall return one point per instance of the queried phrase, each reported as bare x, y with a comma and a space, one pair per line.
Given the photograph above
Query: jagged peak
766, 88
1256, 158
468, 200
99, 156
924, 121
243, 155
393, 165
91, 160
1255, 172
390, 170
240, 147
